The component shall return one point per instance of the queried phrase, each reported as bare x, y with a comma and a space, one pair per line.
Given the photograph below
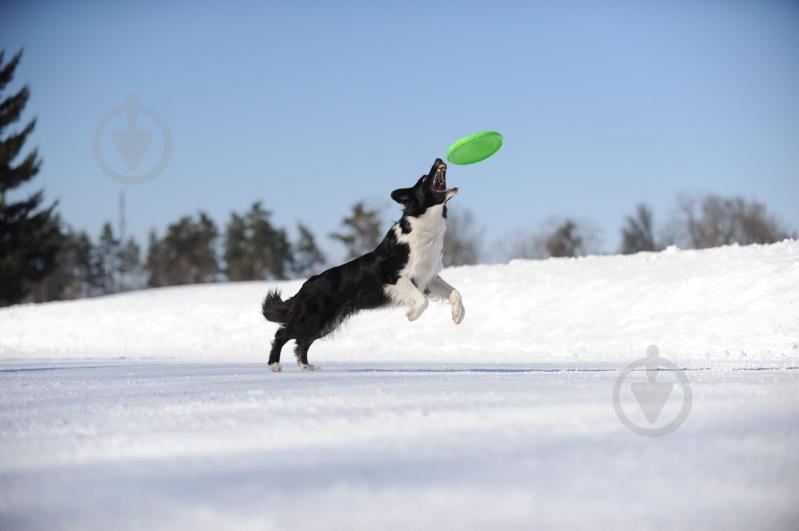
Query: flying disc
475, 147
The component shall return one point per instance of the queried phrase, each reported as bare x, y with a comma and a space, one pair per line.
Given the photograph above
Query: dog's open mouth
440, 180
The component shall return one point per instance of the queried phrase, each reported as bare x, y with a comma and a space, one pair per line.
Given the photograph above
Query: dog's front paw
458, 311
416, 310
275, 367
306, 367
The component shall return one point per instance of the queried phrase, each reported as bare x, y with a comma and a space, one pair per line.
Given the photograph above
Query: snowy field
155, 409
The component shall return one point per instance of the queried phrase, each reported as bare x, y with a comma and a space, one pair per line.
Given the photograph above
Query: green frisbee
475, 147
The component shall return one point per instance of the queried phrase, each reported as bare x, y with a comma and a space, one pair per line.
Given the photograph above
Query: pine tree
255, 249
189, 251
204, 257
308, 259
87, 277
30, 236
268, 248
156, 274
638, 232
75, 275
177, 252
130, 273
107, 259
361, 231
236, 249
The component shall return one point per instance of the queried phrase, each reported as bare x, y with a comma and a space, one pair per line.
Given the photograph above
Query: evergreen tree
129, 262
638, 232
156, 274
186, 255
76, 274
255, 249
30, 235
189, 251
268, 248
86, 275
205, 251
177, 252
236, 249
361, 232
107, 259
308, 259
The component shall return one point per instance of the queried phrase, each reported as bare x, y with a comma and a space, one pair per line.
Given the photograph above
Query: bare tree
559, 238
525, 246
711, 221
463, 243
638, 232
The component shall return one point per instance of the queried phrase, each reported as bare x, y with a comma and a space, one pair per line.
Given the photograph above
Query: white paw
458, 311
417, 310
275, 367
306, 367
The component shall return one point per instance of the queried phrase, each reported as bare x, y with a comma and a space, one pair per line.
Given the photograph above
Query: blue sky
310, 106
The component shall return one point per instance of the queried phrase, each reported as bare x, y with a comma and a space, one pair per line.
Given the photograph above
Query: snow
732, 305
155, 410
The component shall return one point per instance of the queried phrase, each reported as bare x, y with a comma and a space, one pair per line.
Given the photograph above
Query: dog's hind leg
281, 337
301, 352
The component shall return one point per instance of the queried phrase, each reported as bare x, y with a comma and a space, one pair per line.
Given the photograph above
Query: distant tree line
702, 222
42, 258
696, 223
250, 247
191, 250
194, 249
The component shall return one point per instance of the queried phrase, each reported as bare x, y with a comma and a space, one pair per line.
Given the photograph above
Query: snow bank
724, 306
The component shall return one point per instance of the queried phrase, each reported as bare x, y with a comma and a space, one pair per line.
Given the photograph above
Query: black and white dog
402, 270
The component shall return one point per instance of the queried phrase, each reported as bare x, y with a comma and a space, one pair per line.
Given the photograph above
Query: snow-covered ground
154, 409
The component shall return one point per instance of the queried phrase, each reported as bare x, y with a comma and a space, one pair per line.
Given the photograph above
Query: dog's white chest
426, 243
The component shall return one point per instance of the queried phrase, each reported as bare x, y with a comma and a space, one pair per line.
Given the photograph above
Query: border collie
402, 270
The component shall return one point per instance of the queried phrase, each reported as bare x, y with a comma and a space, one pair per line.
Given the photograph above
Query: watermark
659, 412
133, 144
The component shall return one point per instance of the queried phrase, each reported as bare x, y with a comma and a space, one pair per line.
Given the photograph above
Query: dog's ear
402, 196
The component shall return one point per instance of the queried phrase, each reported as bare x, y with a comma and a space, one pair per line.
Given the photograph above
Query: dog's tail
275, 309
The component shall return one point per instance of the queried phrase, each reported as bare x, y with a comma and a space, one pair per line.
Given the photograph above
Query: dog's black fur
325, 300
